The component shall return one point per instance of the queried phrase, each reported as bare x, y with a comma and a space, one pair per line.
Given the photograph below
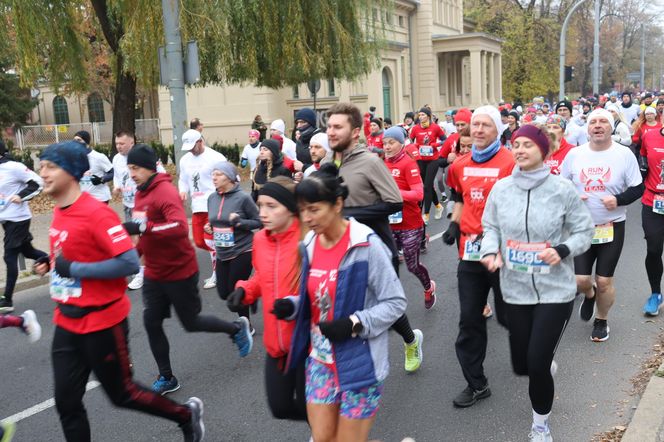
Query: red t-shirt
406, 174
322, 287
375, 141
644, 129
474, 181
450, 145
413, 151
652, 147
88, 231
427, 140
556, 158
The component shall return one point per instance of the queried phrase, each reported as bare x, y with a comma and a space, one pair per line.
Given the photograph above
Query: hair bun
329, 169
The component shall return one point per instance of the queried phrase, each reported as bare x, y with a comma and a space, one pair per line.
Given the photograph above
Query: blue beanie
71, 156
308, 115
396, 132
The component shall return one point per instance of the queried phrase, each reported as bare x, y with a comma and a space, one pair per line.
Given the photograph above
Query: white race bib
658, 204
471, 248
396, 218
603, 234
321, 347
223, 236
522, 257
61, 289
426, 151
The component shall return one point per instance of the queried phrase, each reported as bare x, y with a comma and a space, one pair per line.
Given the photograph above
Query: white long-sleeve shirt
13, 178
122, 179
196, 177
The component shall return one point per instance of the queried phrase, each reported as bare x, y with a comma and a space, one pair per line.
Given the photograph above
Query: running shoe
537, 434
487, 312
600, 331
7, 430
443, 198
6, 306
194, 430
414, 352
243, 337
425, 218
554, 368
31, 326
430, 296
652, 304
424, 244
469, 396
439, 209
163, 385
587, 309
136, 283
211, 282
401, 257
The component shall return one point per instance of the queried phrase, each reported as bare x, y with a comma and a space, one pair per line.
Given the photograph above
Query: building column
499, 77
484, 82
492, 83
475, 78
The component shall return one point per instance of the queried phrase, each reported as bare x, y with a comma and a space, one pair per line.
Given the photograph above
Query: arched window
96, 108
387, 93
60, 110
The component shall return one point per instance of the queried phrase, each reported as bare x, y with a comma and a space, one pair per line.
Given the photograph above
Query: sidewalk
647, 424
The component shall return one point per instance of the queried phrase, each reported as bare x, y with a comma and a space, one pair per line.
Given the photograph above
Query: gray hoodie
239, 232
527, 209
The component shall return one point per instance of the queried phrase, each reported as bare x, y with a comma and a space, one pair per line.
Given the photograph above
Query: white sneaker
554, 368
211, 282
439, 209
136, 283
537, 435
31, 326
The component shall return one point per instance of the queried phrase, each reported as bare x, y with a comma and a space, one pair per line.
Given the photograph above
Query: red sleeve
252, 287
367, 123
447, 146
644, 147
414, 180
110, 236
439, 133
451, 177
175, 224
289, 164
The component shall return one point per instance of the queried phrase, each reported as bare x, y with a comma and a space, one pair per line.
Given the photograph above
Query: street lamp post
596, 49
563, 35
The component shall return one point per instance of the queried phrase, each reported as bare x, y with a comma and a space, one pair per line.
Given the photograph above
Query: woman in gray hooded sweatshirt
232, 217
534, 224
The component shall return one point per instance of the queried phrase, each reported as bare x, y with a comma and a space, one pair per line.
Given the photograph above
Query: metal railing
101, 133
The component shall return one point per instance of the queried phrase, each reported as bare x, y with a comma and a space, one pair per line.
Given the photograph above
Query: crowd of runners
536, 198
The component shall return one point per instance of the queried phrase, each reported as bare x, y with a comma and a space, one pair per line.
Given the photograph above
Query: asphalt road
592, 384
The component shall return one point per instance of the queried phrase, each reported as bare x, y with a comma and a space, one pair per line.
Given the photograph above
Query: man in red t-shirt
91, 255
471, 178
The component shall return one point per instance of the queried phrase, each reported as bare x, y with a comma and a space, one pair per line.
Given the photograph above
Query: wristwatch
357, 326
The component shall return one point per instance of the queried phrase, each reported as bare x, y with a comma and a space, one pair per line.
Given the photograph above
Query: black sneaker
6, 306
600, 331
587, 308
194, 430
469, 396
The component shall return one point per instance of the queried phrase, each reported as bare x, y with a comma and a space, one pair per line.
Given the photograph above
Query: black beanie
410, 115
273, 146
427, 111
83, 135
144, 156
378, 122
564, 103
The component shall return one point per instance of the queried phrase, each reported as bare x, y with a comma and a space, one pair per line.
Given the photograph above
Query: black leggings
535, 332
229, 272
183, 296
428, 170
653, 229
285, 391
606, 255
106, 353
17, 241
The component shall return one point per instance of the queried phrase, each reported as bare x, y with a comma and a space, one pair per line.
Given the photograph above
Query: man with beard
373, 196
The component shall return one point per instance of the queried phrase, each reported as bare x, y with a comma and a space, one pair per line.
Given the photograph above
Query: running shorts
606, 255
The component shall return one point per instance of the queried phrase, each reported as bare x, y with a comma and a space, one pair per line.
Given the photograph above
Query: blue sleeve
108, 176
120, 266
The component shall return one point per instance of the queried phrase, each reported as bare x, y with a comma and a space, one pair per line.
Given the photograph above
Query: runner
607, 178
621, 131
91, 254
306, 122
270, 164
472, 177
407, 225
652, 214
512, 127
18, 185
349, 297
27, 322
319, 148
646, 122
534, 224
558, 145
374, 197
426, 135
630, 110
276, 264
375, 136
171, 270
574, 134
233, 217
250, 152
289, 148
101, 171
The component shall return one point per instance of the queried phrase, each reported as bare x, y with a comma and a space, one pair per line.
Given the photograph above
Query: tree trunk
124, 111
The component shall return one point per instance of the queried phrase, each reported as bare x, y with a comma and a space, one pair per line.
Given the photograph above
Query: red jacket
165, 244
275, 259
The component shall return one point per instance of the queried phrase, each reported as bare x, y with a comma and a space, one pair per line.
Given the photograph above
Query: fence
101, 133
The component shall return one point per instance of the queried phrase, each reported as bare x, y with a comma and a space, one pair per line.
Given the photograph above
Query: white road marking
42, 406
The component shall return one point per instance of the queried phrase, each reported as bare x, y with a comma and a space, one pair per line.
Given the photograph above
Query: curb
29, 282
646, 424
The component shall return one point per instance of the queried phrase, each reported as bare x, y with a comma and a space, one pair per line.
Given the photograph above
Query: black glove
337, 330
95, 180
234, 300
452, 234
283, 308
643, 165
132, 228
63, 266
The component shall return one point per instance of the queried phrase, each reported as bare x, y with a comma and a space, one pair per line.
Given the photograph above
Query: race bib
522, 257
426, 151
603, 234
321, 347
223, 236
61, 289
128, 196
396, 218
658, 204
471, 248
139, 217
86, 179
